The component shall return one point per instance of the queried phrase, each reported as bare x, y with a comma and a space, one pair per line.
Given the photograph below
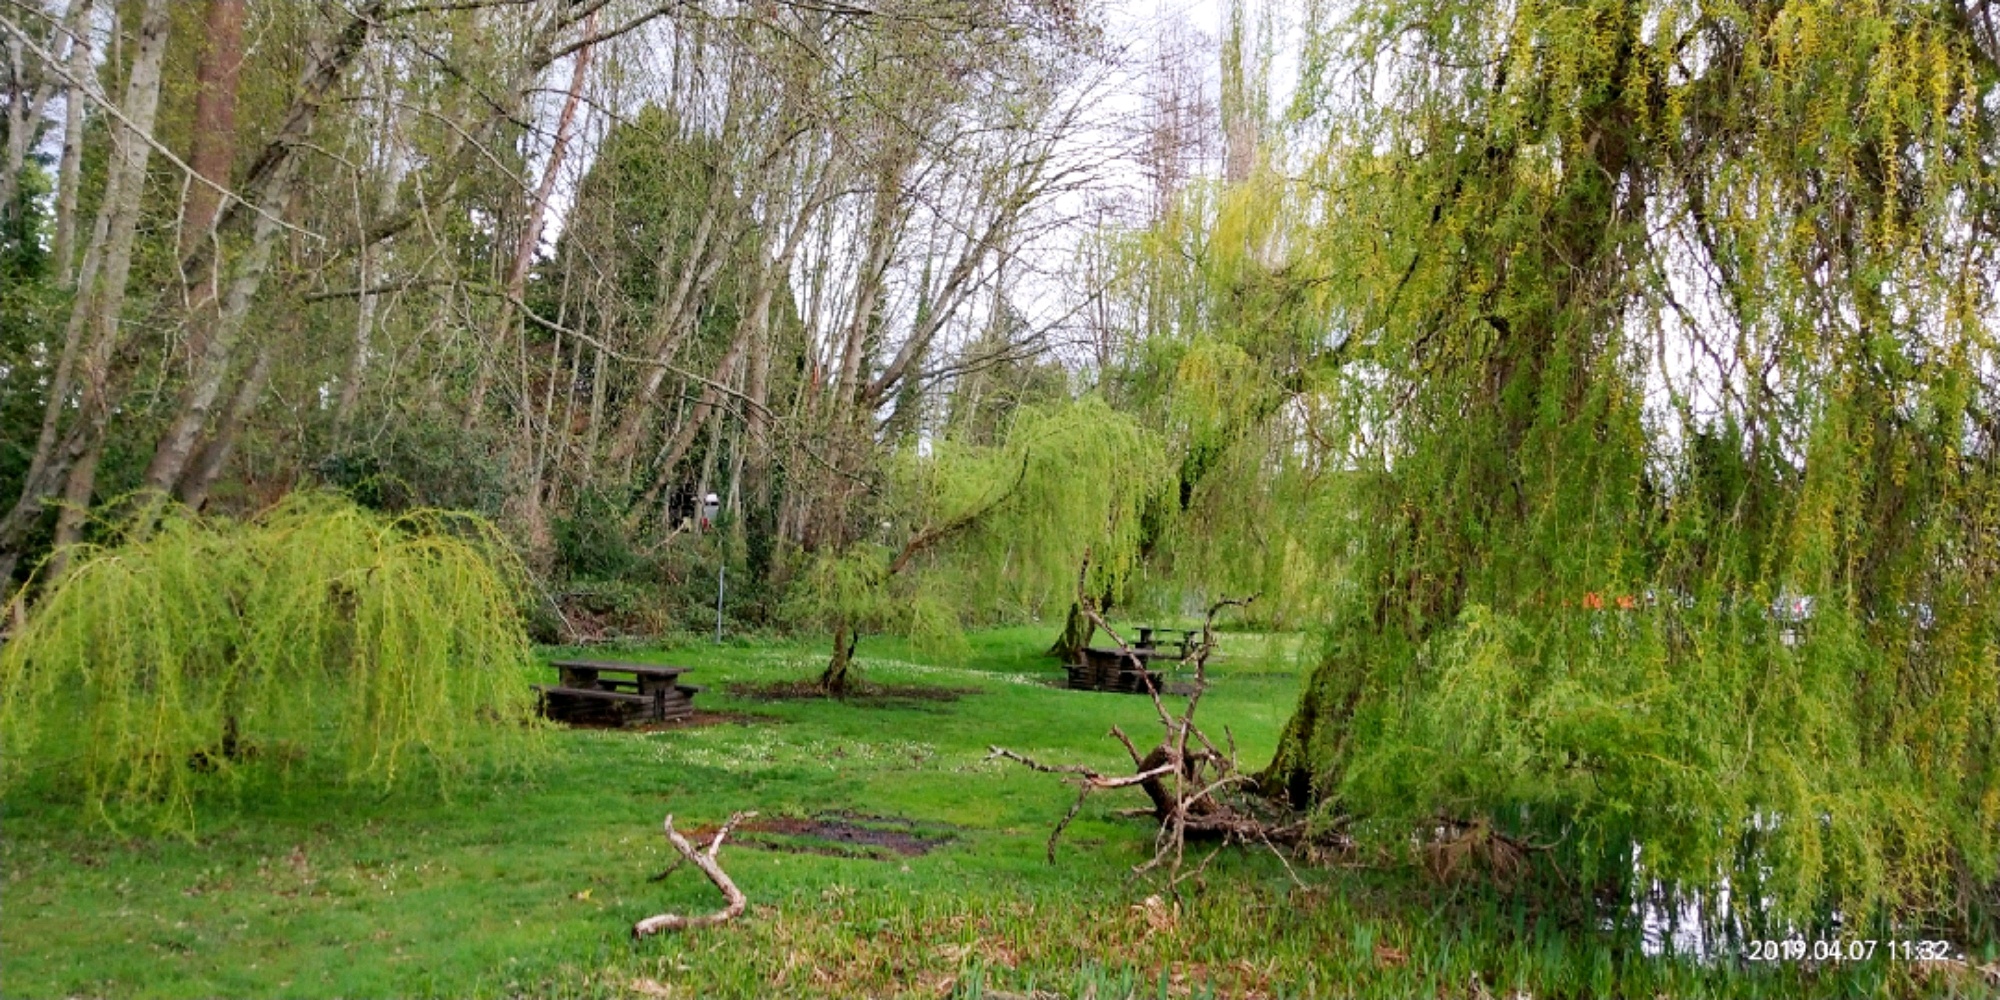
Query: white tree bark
703, 859
91, 335
269, 185
69, 176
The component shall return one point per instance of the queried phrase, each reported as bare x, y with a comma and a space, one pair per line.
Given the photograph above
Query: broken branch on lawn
704, 859
1197, 789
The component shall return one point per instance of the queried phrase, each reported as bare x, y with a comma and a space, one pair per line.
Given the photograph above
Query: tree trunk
836, 679
269, 182
1241, 100
1076, 634
176, 445
91, 335
756, 418
704, 409
207, 468
30, 86
883, 228
1555, 281
364, 322
531, 233
704, 260
709, 461
75, 510
773, 272
599, 360
1292, 776
213, 154
1079, 628
70, 175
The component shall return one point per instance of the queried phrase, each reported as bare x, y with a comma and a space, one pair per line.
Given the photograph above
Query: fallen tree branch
704, 859
1197, 788
1090, 777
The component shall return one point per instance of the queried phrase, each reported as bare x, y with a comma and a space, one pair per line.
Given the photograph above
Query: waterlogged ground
890, 858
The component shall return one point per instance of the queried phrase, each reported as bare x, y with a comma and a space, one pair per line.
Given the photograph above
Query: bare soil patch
840, 834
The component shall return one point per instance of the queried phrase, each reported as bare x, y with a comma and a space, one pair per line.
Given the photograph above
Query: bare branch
931, 536
706, 861
1209, 797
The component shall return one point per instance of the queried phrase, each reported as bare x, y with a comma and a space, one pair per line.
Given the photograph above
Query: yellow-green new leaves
156, 665
972, 531
1067, 489
1677, 544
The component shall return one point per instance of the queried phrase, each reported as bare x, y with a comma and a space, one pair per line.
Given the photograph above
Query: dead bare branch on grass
704, 859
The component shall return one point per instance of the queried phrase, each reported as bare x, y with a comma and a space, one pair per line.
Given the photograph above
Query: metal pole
720, 569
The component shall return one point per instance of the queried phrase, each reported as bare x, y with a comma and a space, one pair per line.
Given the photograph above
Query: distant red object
1594, 601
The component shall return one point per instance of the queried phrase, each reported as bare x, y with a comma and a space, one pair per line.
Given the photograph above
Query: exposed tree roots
704, 859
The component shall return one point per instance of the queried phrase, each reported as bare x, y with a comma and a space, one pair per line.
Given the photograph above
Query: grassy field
525, 883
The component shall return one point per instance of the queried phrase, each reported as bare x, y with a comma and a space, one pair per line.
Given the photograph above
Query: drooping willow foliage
162, 665
1084, 475
1672, 514
1238, 365
995, 529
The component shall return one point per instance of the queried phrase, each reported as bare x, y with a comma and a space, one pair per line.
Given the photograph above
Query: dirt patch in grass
694, 721
866, 695
839, 834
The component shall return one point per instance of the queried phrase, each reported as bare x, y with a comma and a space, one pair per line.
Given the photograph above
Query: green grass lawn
527, 883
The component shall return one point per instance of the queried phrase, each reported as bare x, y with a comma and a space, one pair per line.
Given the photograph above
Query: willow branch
931, 536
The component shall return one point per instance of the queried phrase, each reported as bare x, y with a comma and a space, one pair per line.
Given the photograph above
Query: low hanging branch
1197, 788
834, 679
937, 533
1088, 781
704, 859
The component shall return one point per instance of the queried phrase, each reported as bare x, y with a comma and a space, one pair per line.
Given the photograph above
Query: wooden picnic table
616, 691
1185, 643
1129, 670
1133, 669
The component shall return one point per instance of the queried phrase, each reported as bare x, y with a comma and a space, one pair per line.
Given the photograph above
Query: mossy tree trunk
1574, 590
836, 680
1076, 634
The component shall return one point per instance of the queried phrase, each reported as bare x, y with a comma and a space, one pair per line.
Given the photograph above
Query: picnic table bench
616, 692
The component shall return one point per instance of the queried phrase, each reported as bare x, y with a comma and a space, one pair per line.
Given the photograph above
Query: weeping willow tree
1670, 507
968, 527
1237, 363
163, 665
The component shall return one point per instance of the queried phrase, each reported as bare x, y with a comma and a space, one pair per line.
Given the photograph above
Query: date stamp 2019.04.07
1849, 950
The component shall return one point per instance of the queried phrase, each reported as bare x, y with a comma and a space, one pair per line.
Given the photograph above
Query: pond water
1719, 926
